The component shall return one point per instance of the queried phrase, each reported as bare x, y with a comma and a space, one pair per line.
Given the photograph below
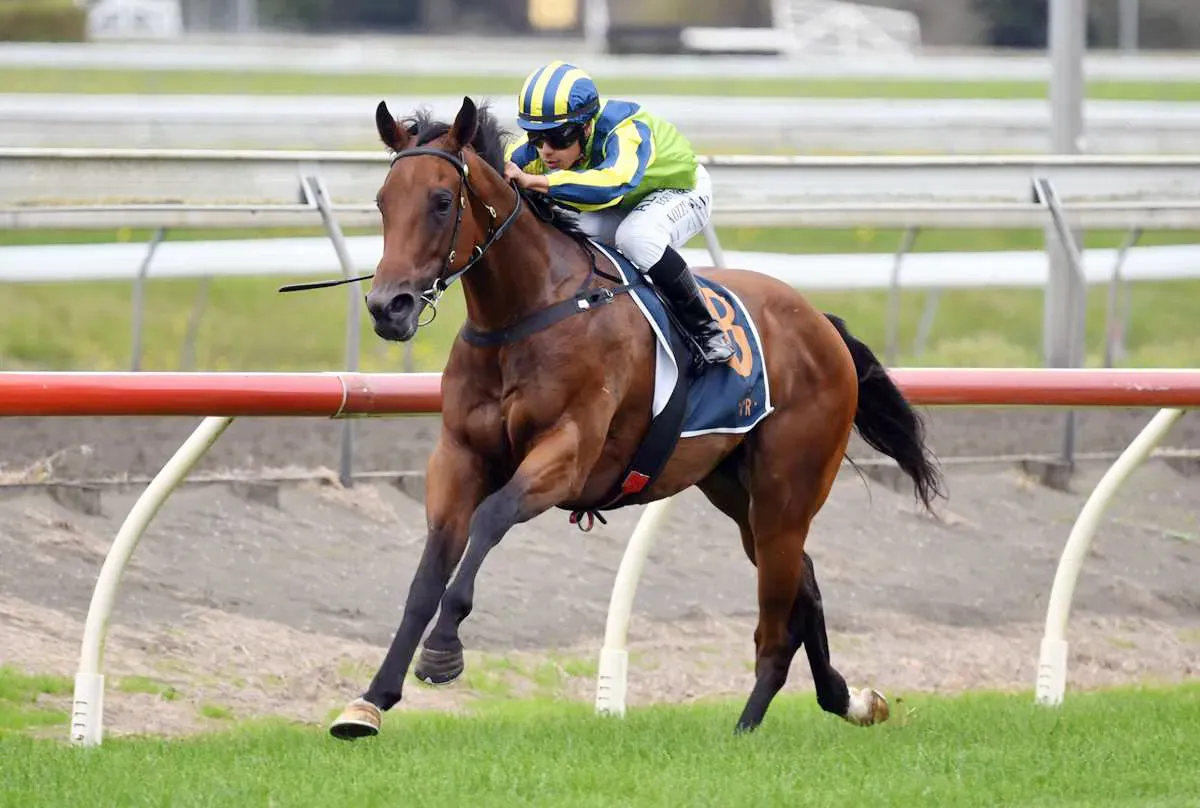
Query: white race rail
87, 710
346, 394
230, 394
613, 673
1051, 682
947, 125
111, 188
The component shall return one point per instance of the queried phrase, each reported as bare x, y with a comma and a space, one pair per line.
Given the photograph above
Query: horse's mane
489, 142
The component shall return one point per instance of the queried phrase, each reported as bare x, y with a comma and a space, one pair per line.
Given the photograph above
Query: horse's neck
523, 271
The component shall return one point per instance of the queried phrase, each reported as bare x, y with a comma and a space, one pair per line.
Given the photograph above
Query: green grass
157, 82
769, 239
21, 704
248, 326
1133, 747
144, 684
216, 712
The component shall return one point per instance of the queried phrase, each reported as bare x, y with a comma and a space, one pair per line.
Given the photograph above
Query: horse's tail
887, 422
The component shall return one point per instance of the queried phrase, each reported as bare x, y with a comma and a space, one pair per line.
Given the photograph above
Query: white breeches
665, 217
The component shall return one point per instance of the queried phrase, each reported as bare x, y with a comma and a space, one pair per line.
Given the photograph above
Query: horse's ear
465, 124
393, 135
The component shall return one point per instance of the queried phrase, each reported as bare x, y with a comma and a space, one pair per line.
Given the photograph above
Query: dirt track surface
280, 599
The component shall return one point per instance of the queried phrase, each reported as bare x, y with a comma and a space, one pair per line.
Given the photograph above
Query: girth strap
584, 300
655, 449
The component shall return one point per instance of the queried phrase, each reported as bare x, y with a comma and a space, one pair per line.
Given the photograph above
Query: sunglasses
559, 138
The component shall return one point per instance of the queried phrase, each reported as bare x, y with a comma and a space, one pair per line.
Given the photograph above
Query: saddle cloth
731, 397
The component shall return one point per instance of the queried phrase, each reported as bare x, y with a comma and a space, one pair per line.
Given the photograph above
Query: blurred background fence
628, 26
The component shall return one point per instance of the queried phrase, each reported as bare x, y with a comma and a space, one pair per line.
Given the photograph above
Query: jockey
633, 177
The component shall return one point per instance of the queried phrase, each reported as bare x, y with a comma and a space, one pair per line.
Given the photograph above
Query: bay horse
549, 411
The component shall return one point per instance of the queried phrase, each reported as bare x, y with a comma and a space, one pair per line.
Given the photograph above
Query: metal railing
167, 188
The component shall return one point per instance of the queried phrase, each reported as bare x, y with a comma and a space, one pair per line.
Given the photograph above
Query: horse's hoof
360, 719
867, 707
439, 667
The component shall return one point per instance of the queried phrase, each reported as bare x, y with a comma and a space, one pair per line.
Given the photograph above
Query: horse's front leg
456, 481
553, 471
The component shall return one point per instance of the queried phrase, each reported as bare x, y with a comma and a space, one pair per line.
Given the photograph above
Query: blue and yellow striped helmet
556, 94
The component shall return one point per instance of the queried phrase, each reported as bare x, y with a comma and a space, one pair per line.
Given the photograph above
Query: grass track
162, 82
1116, 748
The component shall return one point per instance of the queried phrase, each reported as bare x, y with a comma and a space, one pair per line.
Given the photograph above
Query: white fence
107, 189
111, 188
44, 188
344, 396
169, 189
304, 256
958, 126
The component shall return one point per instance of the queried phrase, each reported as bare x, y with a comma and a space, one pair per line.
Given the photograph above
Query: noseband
449, 273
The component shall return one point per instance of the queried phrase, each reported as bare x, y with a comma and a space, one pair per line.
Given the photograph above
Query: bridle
586, 298
449, 273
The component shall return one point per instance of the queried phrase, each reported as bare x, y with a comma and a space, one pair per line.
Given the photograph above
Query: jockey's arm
523, 155
627, 152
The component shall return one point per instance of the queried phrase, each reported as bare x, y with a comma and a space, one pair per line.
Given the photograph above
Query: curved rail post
1051, 682
87, 712
613, 673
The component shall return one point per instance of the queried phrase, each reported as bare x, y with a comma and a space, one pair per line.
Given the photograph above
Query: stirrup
726, 351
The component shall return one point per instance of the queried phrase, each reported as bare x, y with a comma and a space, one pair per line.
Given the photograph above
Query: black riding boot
672, 276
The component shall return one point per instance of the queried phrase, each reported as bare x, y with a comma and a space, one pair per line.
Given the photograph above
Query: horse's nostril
401, 305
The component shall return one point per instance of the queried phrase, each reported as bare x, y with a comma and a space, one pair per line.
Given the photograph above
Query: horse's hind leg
861, 707
780, 569
794, 458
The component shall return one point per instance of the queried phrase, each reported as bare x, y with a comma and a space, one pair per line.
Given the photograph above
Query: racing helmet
556, 94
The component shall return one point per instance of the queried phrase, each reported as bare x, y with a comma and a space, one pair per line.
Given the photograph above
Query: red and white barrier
337, 394
220, 397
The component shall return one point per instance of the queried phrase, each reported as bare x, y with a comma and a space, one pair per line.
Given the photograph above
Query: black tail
887, 422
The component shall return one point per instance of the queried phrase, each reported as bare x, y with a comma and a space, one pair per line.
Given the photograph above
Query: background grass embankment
388, 83
246, 325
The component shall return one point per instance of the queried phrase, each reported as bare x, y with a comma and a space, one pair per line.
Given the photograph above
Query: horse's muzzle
395, 313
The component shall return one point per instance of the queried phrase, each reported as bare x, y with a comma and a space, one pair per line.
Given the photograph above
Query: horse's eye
442, 202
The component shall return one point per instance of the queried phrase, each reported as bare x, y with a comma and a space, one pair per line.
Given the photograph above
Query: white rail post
1051, 682
1071, 309
315, 194
87, 712
1115, 320
139, 296
613, 674
893, 306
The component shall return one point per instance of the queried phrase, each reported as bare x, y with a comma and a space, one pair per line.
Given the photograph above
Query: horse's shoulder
471, 375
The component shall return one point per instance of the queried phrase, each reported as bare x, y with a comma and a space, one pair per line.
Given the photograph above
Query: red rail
1049, 387
343, 394
201, 394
